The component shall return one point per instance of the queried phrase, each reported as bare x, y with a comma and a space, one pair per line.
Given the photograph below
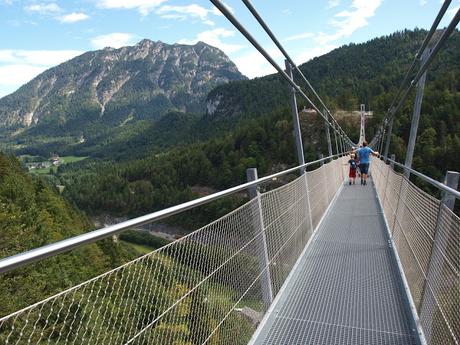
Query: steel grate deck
346, 289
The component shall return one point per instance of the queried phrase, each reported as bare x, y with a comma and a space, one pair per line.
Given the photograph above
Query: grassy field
64, 160
141, 248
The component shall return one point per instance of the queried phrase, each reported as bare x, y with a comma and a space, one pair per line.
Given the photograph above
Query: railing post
387, 143
434, 277
415, 118
392, 166
401, 196
325, 185
297, 133
362, 131
295, 120
328, 134
262, 248
336, 144
393, 158
451, 180
341, 144
382, 140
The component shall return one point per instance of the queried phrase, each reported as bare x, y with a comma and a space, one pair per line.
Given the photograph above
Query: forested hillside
157, 181
370, 73
33, 215
249, 125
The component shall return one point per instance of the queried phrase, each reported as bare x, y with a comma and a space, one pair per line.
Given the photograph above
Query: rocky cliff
116, 86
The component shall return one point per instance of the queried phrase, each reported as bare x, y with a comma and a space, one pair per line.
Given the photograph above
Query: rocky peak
144, 80
145, 43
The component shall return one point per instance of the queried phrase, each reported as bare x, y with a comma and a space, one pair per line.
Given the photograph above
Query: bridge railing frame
216, 273
38, 254
425, 234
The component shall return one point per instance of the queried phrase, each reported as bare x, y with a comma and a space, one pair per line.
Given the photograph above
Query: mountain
115, 87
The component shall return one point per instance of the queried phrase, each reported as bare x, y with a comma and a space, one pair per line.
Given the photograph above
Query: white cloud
287, 11
17, 67
250, 62
253, 64
146, 6
36, 57
451, 13
193, 11
44, 8
304, 56
333, 3
114, 40
16, 75
73, 17
351, 20
53, 10
299, 36
143, 6
214, 38
423, 2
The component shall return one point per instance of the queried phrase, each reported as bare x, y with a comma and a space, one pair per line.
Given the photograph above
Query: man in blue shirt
364, 154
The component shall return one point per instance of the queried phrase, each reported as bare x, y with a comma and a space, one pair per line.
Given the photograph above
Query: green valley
128, 168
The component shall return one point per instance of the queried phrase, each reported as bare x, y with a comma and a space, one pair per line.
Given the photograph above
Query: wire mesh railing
426, 235
207, 287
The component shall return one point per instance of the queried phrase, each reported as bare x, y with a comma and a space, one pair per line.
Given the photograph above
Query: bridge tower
362, 134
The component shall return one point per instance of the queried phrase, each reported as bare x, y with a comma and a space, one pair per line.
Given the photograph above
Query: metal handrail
425, 178
38, 254
269, 32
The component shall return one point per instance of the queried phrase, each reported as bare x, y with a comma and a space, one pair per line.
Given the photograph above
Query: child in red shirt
353, 166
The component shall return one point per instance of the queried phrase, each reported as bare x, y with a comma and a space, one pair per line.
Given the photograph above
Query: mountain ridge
132, 82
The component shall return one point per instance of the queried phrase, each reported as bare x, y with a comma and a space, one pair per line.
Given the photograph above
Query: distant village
54, 160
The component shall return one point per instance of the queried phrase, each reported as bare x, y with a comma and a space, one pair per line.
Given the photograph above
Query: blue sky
38, 34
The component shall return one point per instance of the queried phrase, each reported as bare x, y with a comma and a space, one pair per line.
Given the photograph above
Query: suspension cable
224, 10
435, 50
264, 25
417, 56
429, 60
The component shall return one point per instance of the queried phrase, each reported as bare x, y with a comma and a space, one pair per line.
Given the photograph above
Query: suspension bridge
315, 261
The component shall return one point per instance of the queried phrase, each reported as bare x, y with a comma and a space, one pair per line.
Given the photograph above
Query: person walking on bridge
364, 154
353, 163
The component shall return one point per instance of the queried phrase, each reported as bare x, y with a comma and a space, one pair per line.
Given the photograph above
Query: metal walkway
346, 288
